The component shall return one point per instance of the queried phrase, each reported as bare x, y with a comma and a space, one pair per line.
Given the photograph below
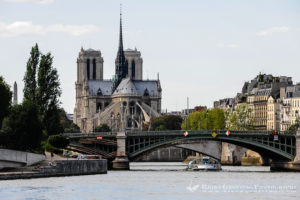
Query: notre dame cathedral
125, 102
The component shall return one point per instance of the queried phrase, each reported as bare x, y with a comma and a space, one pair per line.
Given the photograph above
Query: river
160, 181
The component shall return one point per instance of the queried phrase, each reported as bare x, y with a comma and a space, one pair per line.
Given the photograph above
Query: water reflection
159, 181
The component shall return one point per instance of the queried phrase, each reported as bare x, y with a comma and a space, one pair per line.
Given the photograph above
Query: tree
52, 121
166, 122
295, 126
23, 127
5, 99
48, 91
172, 122
216, 118
30, 85
72, 129
102, 128
241, 119
158, 124
58, 141
205, 119
43, 88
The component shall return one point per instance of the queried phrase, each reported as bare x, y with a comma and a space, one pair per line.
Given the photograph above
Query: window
131, 107
146, 93
99, 107
88, 68
125, 73
132, 69
94, 68
99, 92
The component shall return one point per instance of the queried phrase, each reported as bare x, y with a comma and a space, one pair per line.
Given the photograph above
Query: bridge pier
121, 161
292, 165
297, 156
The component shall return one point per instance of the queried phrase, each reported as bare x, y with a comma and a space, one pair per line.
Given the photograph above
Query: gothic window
94, 68
99, 92
131, 107
99, 107
146, 93
88, 68
133, 69
126, 69
129, 123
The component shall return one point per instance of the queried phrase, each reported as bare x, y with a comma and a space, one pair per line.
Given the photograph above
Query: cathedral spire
121, 64
121, 33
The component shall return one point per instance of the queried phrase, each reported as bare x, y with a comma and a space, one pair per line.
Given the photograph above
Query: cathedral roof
105, 86
126, 87
150, 85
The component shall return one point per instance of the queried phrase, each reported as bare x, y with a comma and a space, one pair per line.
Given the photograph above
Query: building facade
273, 116
124, 102
295, 104
264, 95
285, 108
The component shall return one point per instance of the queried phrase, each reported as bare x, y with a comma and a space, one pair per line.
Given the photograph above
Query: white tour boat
204, 163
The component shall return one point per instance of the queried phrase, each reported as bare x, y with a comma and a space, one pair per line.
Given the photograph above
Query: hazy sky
203, 49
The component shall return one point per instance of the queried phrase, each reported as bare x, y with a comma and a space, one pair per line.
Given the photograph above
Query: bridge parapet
206, 132
90, 135
176, 133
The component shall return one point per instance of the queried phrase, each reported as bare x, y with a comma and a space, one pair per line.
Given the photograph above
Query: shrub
58, 141
102, 128
48, 147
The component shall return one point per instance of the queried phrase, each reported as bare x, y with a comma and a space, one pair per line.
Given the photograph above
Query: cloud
270, 31
230, 46
31, 1
20, 28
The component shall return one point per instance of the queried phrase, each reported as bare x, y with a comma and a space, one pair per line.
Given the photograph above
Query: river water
160, 181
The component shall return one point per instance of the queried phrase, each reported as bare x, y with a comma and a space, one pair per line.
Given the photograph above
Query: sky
203, 50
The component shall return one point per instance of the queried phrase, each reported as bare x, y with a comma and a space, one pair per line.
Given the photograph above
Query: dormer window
99, 92
146, 93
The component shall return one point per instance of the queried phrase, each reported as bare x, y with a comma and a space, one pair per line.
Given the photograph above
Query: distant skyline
203, 50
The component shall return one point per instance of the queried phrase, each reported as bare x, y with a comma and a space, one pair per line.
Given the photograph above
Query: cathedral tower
134, 63
89, 65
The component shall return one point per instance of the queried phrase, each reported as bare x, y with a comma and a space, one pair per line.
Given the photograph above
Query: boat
204, 163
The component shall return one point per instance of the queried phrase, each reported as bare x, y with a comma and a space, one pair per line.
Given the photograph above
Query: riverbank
61, 168
285, 166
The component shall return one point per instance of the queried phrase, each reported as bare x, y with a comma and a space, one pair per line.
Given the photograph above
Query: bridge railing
93, 134
221, 132
177, 132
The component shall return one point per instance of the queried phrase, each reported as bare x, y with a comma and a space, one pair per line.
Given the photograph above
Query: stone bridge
123, 147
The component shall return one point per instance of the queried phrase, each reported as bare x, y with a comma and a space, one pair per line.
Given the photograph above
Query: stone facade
295, 104
273, 118
125, 102
256, 94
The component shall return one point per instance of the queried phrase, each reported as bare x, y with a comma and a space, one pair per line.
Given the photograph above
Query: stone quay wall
63, 168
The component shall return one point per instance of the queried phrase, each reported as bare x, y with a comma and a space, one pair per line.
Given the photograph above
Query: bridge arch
263, 149
212, 149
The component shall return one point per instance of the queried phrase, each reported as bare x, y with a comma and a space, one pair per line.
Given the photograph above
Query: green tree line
28, 125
